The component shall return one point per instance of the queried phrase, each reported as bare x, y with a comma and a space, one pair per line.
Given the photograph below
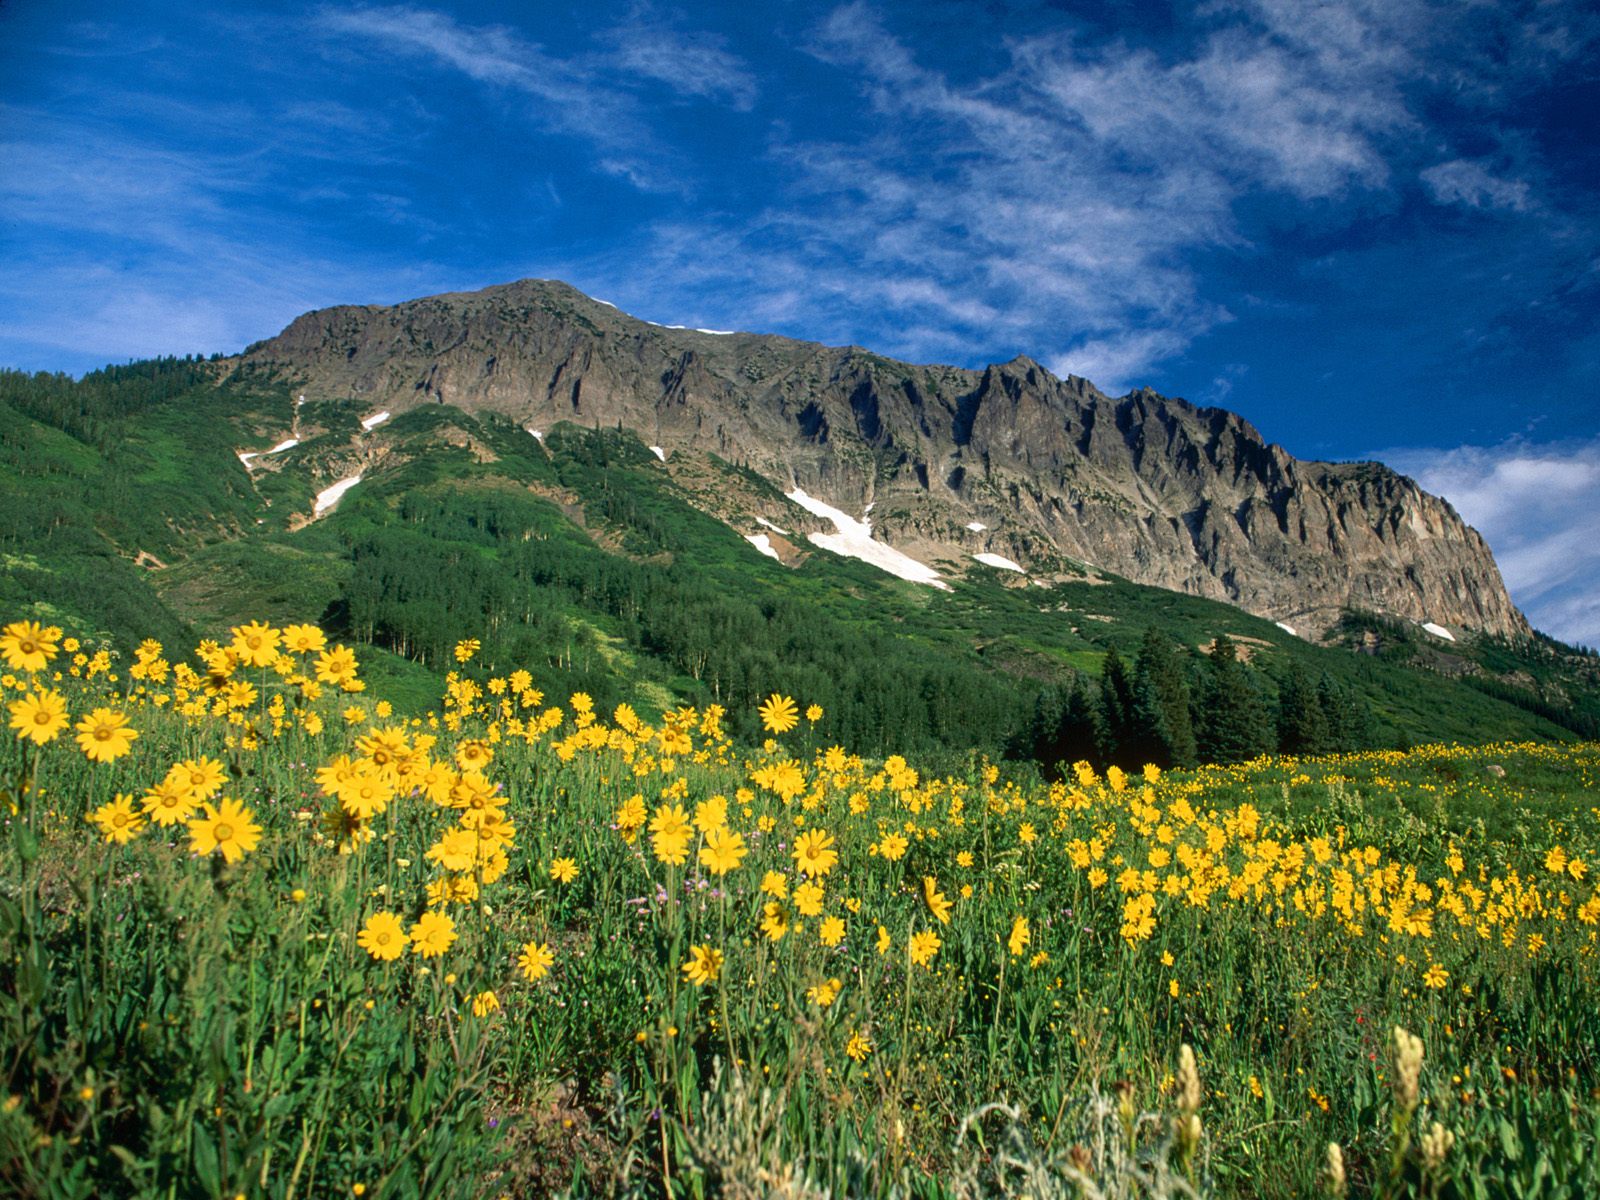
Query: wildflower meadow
265, 936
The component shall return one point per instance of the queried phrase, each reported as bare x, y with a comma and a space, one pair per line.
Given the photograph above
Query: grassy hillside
583, 559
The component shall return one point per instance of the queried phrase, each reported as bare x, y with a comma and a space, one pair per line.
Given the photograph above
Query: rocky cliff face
1148, 487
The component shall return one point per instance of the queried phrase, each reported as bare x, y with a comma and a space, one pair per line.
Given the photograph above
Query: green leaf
125, 1156
10, 918
1508, 1140
206, 1168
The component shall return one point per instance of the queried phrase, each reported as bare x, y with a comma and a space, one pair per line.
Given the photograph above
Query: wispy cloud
1462, 181
589, 95
1072, 193
1535, 504
692, 63
493, 54
1059, 202
1038, 206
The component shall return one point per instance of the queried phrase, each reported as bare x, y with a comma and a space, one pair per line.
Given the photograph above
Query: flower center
223, 833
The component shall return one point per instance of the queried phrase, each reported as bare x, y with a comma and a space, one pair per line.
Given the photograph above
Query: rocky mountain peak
1009, 461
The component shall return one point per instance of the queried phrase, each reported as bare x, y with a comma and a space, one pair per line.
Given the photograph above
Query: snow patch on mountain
329, 496
762, 543
853, 539
995, 560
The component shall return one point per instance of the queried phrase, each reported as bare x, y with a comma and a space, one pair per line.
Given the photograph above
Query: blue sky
1372, 227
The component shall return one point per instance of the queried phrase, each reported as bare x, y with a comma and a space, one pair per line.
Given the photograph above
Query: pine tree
1040, 739
1118, 733
1163, 732
1063, 728
1302, 724
1350, 724
1080, 737
1235, 725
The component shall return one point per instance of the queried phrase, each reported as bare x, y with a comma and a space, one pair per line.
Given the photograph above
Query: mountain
177, 498
1009, 462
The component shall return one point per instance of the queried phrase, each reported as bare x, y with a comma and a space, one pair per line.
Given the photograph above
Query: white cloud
585, 95
1052, 203
1082, 179
1577, 611
1470, 183
1114, 363
1056, 204
1535, 504
571, 99
693, 64
1244, 110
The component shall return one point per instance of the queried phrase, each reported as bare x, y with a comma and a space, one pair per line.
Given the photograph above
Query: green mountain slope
125, 508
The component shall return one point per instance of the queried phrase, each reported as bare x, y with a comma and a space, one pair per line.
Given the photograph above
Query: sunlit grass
519, 945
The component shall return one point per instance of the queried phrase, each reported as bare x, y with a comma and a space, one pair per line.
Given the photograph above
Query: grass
979, 988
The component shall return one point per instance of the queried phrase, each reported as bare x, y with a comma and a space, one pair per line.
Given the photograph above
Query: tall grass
175, 1024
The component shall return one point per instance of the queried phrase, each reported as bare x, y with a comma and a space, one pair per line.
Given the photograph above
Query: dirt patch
548, 1135
1245, 647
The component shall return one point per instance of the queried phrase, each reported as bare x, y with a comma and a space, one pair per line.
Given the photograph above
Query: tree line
442, 564
94, 408
445, 564
1175, 708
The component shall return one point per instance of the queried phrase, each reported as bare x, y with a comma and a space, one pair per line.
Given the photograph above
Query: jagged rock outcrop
1151, 488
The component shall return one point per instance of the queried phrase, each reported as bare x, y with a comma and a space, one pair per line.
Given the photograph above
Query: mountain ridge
1054, 471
